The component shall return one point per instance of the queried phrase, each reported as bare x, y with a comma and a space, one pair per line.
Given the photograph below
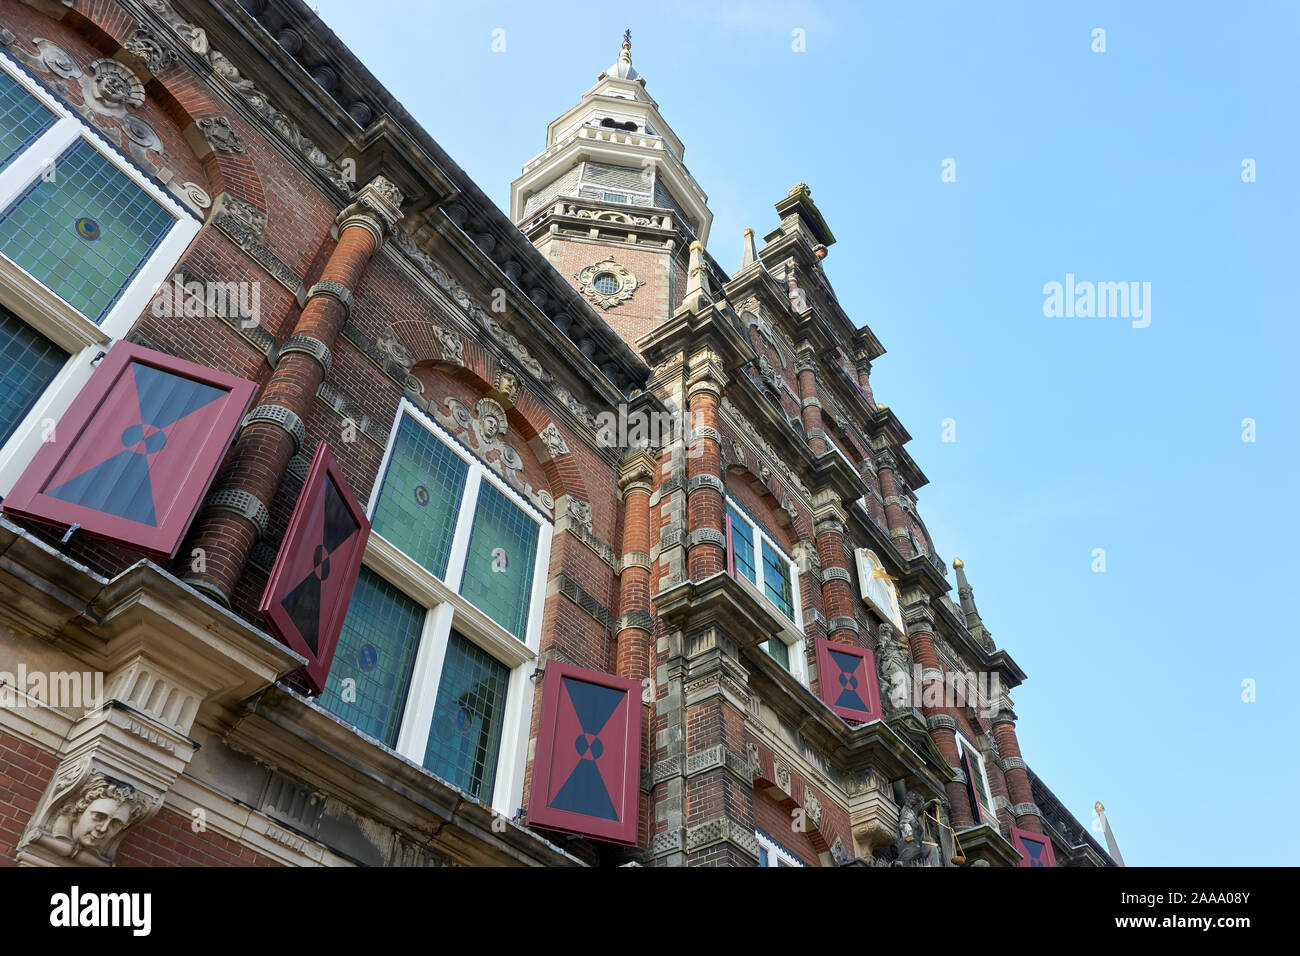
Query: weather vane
627, 36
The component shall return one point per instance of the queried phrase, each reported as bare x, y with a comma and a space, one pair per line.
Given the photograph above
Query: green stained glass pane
465, 736
420, 496
499, 567
22, 119
28, 363
85, 230
776, 580
742, 543
375, 655
779, 651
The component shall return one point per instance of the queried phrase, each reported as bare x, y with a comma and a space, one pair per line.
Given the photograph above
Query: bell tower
611, 203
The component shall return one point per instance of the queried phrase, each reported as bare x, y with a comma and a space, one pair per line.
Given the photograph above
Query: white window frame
791, 633
964, 745
445, 608
46, 311
776, 852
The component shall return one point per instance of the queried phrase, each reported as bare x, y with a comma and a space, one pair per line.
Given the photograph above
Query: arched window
446, 620
85, 238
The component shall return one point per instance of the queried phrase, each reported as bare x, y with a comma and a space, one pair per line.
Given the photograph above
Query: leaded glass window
28, 363
465, 736
84, 231
420, 498
375, 652
776, 580
742, 543
779, 651
499, 566
22, 119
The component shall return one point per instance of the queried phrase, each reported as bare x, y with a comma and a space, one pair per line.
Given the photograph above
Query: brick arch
476, 367
794, 529
107, 26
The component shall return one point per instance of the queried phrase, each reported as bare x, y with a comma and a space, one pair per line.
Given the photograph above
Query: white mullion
422, 692
27, 167
464, 525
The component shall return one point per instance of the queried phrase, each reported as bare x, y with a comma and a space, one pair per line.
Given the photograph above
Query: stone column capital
377, 208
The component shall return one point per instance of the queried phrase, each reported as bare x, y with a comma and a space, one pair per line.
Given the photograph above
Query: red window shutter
132, 458
846, 679
306, 599
587, 768
1035, 848
976, 811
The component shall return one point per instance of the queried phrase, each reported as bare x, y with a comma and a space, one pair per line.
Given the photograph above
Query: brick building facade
400, 530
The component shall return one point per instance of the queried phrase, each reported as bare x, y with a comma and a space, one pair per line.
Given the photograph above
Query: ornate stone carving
580, 513
486, 428
891, 665
147, 45
196, 39
755, 762
220, 134
918, 843
114, 86
245, 225
84, 816
506, 384
553, 440
782, 773
605, 270
812, 806
453, 349
54, 59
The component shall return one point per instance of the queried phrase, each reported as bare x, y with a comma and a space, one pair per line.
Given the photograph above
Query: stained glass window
28, 363
376, 653
742, 543
499, 567
776, 580
22, 119
465, 736
84, 231
420, 498
779, 651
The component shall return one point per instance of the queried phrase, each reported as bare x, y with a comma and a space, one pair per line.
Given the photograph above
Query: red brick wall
25, 772
168, 839
652, 302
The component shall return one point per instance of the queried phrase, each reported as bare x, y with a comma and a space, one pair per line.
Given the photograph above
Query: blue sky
1072, 433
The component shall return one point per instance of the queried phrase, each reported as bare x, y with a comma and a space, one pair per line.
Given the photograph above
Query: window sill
46, 312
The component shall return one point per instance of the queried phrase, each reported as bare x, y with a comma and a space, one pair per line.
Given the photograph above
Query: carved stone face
102, 820
112, 88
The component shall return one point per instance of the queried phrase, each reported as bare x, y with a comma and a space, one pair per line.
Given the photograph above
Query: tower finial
627, 37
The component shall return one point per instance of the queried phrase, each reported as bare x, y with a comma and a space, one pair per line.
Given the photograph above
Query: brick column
838, 601
633, 629
810, 405
705, 502
236, 514
864, 379
895, 520
1014, 772
919, 617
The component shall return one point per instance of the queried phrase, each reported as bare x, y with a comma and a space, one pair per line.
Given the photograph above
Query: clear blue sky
1072, 433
